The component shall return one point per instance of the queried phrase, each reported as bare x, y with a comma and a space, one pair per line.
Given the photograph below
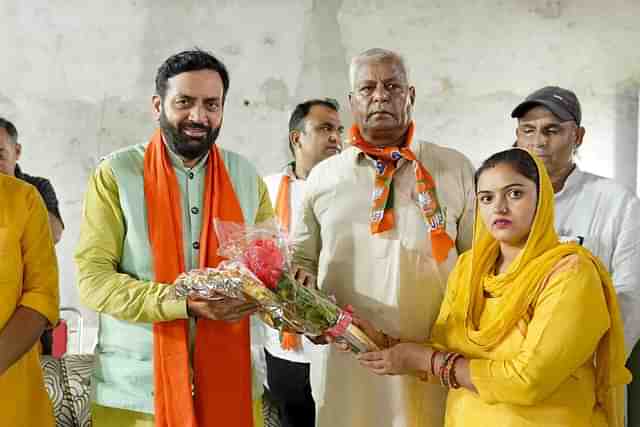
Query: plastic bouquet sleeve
258, 269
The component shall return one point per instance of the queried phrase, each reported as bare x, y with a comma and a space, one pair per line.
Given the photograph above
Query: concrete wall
77, 76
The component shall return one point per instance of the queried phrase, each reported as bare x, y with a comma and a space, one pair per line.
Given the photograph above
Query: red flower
264, 258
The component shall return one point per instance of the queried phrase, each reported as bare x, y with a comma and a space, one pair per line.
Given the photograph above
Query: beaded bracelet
444, 369
452, 380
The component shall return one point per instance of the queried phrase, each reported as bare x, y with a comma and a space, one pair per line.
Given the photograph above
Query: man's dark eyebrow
191, 98
328, 124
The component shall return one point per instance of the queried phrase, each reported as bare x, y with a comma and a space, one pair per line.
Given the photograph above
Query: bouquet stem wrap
258, 269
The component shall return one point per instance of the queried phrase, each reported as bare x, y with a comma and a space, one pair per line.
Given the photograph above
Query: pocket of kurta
381, 244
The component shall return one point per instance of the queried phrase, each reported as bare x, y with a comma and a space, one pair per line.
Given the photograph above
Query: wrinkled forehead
379, 67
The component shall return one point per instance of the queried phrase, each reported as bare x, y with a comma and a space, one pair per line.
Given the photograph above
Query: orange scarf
288, 341
222, 359
382, 210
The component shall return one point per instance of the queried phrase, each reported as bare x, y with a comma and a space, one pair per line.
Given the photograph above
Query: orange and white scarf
382, 216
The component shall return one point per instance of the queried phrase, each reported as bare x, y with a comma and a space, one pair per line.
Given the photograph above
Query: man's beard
186, 146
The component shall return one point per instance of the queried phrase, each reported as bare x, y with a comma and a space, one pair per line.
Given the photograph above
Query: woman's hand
401, 359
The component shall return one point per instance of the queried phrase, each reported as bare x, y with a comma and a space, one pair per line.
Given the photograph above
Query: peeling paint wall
78, 76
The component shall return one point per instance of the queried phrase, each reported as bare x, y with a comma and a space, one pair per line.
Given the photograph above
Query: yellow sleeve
102, 287
265, 210
40, 284
569, 319
439, 330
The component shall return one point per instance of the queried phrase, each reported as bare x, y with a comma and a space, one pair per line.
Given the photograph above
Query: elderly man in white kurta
382, 226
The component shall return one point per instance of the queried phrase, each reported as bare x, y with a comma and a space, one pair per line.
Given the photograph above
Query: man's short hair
379, 55
296, 121
190, 60
10, 128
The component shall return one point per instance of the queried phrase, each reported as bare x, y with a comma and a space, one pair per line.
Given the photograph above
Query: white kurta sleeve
625, 266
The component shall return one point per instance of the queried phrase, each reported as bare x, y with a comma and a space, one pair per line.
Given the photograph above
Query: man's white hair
375, 54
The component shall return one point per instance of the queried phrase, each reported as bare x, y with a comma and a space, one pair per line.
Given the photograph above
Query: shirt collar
290, 170
361, 155
18, 172
571, 182
179, 164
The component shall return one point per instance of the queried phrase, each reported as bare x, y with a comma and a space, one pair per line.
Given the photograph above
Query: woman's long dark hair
520, 160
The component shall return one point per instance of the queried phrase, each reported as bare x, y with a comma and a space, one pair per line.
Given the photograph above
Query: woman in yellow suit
28, 303
529, 333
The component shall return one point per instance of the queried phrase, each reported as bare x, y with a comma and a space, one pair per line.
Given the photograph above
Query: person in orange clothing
529, 332
30, 297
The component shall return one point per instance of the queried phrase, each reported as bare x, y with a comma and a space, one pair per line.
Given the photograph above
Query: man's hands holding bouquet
223, 308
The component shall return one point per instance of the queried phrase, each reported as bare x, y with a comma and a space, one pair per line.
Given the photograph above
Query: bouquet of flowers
258, 269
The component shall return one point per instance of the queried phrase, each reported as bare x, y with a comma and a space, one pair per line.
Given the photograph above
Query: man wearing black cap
597, 212
549, 125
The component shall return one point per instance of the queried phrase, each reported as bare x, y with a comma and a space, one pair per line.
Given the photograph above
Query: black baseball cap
561, 102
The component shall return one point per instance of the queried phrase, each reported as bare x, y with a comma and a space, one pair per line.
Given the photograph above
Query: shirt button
195, 210
196, 245
191, 175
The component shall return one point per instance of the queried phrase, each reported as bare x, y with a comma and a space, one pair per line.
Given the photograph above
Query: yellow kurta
544, 338
28, 278
542, 374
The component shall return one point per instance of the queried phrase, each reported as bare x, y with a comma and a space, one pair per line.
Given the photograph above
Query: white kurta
296, 195
389, 278
605, 216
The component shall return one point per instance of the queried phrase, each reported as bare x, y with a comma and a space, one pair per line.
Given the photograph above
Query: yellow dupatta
520, 287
